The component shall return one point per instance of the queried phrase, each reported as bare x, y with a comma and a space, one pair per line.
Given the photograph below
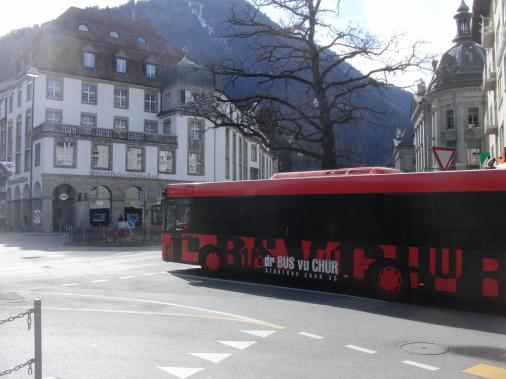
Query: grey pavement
112, 312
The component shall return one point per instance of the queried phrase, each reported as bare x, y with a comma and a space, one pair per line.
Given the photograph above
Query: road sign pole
37, 333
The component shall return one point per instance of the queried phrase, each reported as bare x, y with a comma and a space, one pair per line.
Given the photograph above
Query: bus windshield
176, 214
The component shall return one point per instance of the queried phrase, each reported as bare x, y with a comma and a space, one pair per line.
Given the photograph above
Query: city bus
397, 233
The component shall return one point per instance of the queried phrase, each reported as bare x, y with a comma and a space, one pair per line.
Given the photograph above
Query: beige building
448, 113
489, 28
99, 116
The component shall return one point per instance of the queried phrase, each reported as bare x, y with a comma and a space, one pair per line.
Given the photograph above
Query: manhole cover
423, 348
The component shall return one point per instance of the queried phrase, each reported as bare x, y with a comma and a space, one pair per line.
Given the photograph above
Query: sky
419, 20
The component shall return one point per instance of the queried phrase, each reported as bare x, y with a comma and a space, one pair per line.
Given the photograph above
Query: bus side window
169, 215
493, 214
183, 215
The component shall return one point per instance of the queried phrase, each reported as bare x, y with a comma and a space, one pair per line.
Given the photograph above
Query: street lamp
33, 73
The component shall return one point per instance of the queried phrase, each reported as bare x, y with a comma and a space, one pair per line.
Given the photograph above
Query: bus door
177, 221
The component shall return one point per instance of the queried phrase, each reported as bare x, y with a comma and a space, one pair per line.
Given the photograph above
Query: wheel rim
390, 280
213, 261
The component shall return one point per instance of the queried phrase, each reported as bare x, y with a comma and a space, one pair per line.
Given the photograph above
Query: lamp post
33, 73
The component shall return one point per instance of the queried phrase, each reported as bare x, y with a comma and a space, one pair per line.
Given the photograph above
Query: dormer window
141, 40
150, 70
83, 28
114, 34
120, 65
89, 59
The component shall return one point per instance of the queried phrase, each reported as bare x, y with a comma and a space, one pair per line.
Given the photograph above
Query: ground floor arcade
61, 202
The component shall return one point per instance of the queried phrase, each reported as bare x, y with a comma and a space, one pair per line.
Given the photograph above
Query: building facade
403, 154
448, 113
490, 30
98, 122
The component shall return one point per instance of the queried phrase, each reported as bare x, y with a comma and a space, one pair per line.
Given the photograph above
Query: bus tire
211, 260
389, 280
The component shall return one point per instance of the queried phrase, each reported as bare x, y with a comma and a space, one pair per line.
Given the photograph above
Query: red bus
440, 232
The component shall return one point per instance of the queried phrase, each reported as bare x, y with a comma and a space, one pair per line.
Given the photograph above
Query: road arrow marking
212, 357
259, 333
181, 372
240, 345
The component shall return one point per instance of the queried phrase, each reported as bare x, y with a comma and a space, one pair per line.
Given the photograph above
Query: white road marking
126, 277
211, 357
191, 307
259, 333
421, 365
150, 273
68, 284
239, 345
278, 287
56, 256
362, 349
181, 372
311, 335
99, 281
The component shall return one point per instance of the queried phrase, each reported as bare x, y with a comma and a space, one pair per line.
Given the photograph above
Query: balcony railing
103, 134
487, 33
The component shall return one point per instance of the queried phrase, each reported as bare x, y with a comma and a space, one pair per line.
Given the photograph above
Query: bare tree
304, 80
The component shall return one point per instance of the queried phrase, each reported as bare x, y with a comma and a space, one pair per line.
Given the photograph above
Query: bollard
37, 333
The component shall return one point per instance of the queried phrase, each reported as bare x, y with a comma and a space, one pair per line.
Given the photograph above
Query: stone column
46, 217
461, 122
117, 209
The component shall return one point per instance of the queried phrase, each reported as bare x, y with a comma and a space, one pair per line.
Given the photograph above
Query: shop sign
17, 181
63, 196
118, 174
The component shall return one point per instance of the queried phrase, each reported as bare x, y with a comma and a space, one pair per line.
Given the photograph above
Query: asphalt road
121, 312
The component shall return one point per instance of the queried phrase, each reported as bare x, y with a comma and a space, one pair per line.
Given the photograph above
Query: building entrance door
64, 208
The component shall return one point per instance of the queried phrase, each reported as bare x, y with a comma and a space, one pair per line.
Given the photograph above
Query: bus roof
450, 181
341, 171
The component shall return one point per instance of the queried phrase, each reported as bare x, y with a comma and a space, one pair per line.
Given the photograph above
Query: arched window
141, 40
83, 28
114, 34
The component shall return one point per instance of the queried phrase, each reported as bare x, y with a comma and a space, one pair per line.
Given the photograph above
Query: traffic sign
444, 156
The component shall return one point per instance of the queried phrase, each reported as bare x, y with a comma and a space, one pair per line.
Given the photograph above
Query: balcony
487, 33
103, 134
490, 127
489, 80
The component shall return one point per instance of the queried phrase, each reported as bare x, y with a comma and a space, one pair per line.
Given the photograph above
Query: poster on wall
99, 217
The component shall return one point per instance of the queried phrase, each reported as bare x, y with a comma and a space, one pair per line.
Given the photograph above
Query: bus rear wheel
211, 260
389, 281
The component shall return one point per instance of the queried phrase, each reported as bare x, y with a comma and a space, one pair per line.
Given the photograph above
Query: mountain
198, 25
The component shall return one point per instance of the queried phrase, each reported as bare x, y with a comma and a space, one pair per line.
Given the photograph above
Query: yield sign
444, 156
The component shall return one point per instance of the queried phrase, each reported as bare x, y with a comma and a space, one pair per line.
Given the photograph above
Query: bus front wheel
389, 281
211, 260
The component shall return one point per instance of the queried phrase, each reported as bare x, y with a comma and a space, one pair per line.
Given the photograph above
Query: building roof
462, 65
188, 73
59, 46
